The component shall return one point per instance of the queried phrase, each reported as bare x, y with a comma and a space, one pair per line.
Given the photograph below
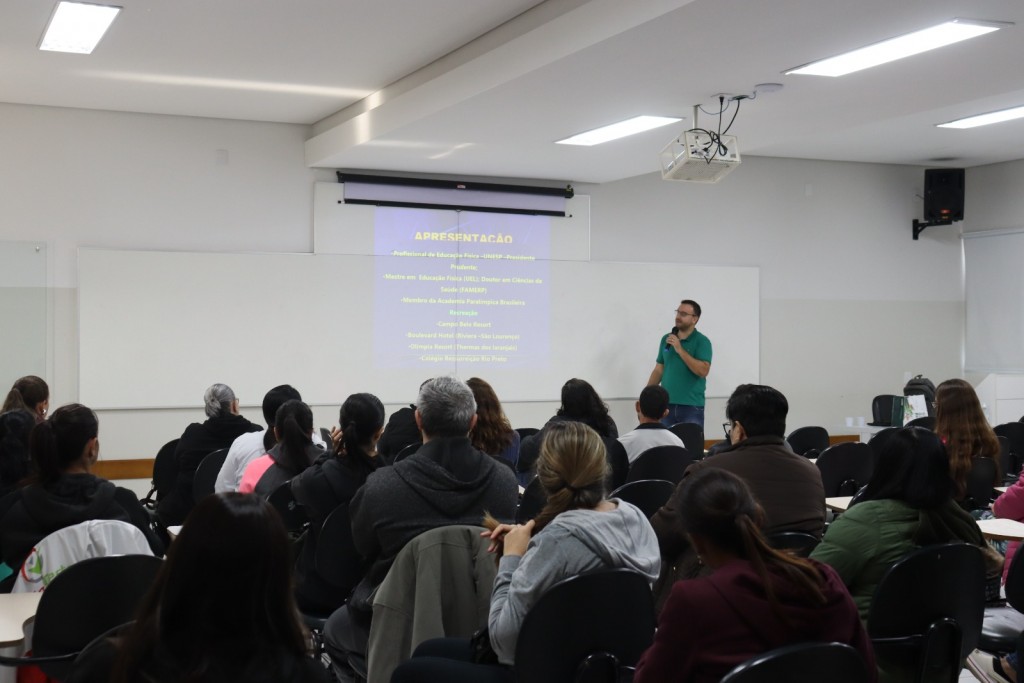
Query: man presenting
682, 366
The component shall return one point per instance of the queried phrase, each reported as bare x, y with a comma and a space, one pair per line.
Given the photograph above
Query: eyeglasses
684, 314
727, 426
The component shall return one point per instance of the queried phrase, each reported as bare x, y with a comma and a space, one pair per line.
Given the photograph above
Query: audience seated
400, 431
222, 426
961, 424
578, 530
293, 453
908, 503
221, 609
446, 481
755, 599
652, 406
29, 393
580, 403
252, 445
63, 492
15, 427
332, 482
788, 486
492, 434
1010, 505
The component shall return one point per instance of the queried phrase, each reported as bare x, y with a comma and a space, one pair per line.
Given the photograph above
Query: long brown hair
961, 424
571, 468
221, 603
718, 506
493, 432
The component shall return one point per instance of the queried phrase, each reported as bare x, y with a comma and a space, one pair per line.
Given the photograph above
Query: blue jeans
680, 413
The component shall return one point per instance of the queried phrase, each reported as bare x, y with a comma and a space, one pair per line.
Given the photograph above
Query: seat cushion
1001, 629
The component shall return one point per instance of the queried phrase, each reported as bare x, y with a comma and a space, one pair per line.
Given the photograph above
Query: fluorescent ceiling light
77, 27
897, 48
986, 119
637, 124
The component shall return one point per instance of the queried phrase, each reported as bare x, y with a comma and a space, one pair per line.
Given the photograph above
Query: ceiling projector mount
700, 155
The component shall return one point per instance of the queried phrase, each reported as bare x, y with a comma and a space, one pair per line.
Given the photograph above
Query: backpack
923, 386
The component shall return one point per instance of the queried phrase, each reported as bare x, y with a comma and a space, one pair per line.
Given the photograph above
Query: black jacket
30, 514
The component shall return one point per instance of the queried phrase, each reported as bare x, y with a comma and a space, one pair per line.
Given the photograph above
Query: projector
695, 157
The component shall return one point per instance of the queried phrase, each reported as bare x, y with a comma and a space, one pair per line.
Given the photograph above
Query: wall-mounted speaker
944, 194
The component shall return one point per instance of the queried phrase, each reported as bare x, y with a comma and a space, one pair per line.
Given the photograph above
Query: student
650, 433
222, 426
29, 393
293, 453
908, 503
492, 433
221, 608
755, 599
15, 428
64, 492
330, 483
577, 531
965, 431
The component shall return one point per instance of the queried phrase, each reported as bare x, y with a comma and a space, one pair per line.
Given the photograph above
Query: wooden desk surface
839, 503
1002, 529
15, 610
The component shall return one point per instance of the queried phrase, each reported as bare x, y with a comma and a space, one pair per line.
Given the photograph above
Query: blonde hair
572, 468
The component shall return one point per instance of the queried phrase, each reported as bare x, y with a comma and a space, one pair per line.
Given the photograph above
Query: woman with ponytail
29, 393
290, 456
62, 491
331, 483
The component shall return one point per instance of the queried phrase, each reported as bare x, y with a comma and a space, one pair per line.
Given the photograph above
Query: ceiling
485, 87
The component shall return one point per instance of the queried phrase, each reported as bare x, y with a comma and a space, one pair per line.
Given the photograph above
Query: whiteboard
157, 328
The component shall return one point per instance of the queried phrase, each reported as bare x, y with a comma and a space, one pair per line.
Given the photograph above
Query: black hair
653, 401
581, 403
27, 393
360, 418
760, 409
222, 604
912, 467
693, 304
294, 423
59, 441
15, 428
273, 400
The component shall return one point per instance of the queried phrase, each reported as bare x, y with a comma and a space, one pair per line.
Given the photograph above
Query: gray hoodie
575, 542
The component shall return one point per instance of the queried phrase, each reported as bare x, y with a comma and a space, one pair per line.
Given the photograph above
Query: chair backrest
526, 431
927, 611
808, 441
439, 586
1014, 433
925, 422
610, 611
86, 600
70, 545
647, 494
292, 513
692, 436
206, 474
618, 462
661, 462
336, 560
980, 482
799, 543
165, 468
882, 410
532, 502
845, 467
803, 663
1007, 465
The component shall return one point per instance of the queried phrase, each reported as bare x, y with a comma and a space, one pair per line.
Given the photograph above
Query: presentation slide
470, 288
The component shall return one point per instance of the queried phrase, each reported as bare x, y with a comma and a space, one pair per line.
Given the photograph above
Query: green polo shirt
683, 386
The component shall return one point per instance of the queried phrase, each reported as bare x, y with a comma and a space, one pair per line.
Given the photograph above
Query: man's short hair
693, 304
653, 401
446, 407
275, 398
760, 409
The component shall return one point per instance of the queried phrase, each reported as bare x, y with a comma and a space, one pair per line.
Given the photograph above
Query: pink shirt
253, 472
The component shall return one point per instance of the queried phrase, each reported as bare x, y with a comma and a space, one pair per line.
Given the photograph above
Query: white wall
994, 198
849, 301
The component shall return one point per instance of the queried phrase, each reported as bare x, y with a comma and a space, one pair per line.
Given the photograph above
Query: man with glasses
788, 486
682, 366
